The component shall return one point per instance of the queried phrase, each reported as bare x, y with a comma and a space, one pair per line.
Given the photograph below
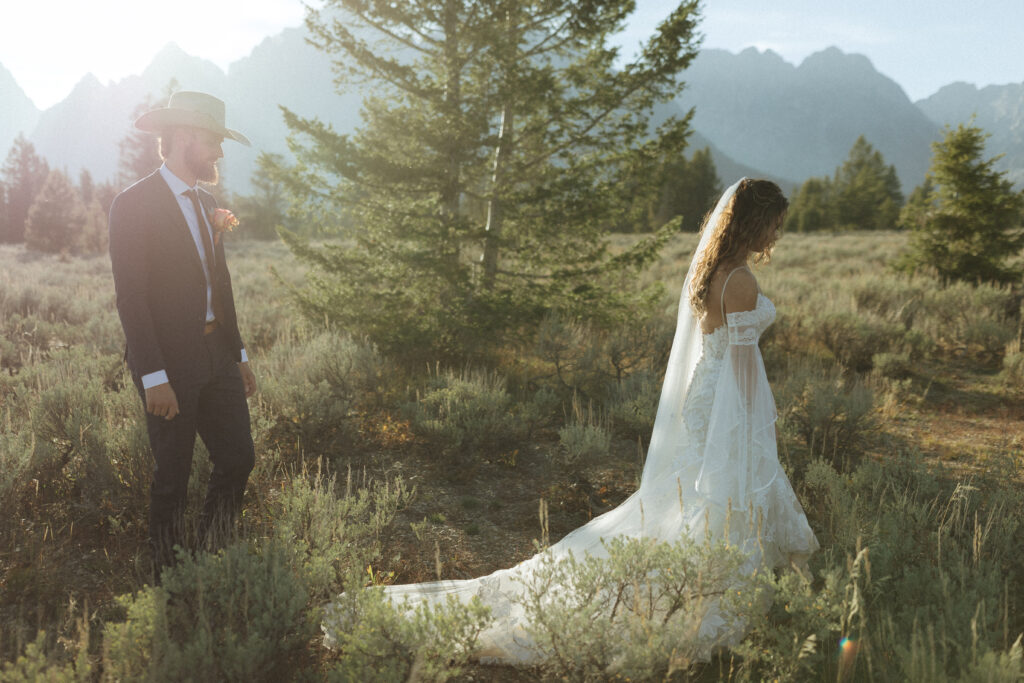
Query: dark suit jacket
160, 283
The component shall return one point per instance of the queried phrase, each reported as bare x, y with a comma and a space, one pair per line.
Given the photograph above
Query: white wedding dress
712, 470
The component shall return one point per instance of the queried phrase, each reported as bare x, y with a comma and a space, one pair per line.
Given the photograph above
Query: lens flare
847, 656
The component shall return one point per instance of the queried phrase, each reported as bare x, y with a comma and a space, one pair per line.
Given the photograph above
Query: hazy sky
48, 45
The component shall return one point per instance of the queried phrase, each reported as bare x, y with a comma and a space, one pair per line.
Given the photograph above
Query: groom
177, 309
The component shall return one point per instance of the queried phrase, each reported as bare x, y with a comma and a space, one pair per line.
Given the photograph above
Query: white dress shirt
179, 188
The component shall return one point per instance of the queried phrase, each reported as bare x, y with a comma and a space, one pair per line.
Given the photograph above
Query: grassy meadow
901, 405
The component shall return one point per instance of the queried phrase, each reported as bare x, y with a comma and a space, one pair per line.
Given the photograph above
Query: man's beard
205, 170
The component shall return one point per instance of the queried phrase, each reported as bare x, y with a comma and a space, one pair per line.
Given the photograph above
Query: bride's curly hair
755, 207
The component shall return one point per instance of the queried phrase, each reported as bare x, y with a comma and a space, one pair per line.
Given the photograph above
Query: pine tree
970, 224
3, 211
689, 189
23, 174
261, 212
866, 192
86, 186
812, 207
498, 147
921, 200
139, 150
863, 194
92, 237
56, 216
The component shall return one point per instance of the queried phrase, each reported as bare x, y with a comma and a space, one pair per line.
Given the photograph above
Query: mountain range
759, 114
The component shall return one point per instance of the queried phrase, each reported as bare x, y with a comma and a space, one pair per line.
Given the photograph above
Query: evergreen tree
970, 224
92, 237
86, 186
261, 212
3, 211
866, 192
23, 174
56, 216
812, 207
689, 189
499, 146
922, 200
139, 150
104, 193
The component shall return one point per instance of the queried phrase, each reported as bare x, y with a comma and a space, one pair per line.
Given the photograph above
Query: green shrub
854, 340
75, 427
798, 637
633, 403
543, 408
945, 566
239, 615
637, 346
981, 318
585, 437
917, 345
313, 388
1013, 366
466, 415
567, 348
892, 365
38, 663
17, 452
829, 414
892, 298
634, 614
330, 532
379, 641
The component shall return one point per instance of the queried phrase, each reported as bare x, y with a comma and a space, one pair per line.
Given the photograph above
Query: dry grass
59, 554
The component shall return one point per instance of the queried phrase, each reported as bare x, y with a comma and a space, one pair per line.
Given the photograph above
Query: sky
49, 45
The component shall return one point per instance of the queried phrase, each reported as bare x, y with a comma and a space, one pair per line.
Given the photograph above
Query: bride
712, 457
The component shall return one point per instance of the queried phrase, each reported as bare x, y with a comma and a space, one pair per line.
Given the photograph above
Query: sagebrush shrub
797, 637
586, 435
945, 566
892, 365
1013, 365
633, 403
978, 317
635, 614
330, 532
853, 340
381, 641
313, 388
829, 413
468, 414
238, 615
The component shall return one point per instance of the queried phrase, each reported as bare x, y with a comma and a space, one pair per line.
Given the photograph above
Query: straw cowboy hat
186, 108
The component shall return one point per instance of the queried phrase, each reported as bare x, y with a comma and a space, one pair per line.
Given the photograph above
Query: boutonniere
222, 221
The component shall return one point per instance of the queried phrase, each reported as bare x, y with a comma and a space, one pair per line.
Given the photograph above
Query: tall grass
920, 569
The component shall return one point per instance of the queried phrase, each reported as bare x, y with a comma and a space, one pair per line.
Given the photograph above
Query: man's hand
162, 401
248, 379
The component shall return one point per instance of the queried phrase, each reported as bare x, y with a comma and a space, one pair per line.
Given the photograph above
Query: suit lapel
173, 220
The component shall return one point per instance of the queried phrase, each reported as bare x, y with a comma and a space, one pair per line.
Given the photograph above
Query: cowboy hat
186, 108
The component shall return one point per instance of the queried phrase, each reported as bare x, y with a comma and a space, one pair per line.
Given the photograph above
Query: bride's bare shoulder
740, 291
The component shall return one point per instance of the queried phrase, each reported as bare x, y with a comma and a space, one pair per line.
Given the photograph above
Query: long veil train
711, 460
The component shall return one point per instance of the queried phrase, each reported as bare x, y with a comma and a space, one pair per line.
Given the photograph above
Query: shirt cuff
154, 379
245, 357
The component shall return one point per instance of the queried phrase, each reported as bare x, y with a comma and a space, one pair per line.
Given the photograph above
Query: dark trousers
213, 406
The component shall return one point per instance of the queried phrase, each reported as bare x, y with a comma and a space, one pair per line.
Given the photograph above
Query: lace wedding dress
711, 471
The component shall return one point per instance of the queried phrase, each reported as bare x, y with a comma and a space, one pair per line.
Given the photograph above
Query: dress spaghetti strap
726, 284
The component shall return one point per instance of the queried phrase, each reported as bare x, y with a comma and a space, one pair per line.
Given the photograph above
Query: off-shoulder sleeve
740, 458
